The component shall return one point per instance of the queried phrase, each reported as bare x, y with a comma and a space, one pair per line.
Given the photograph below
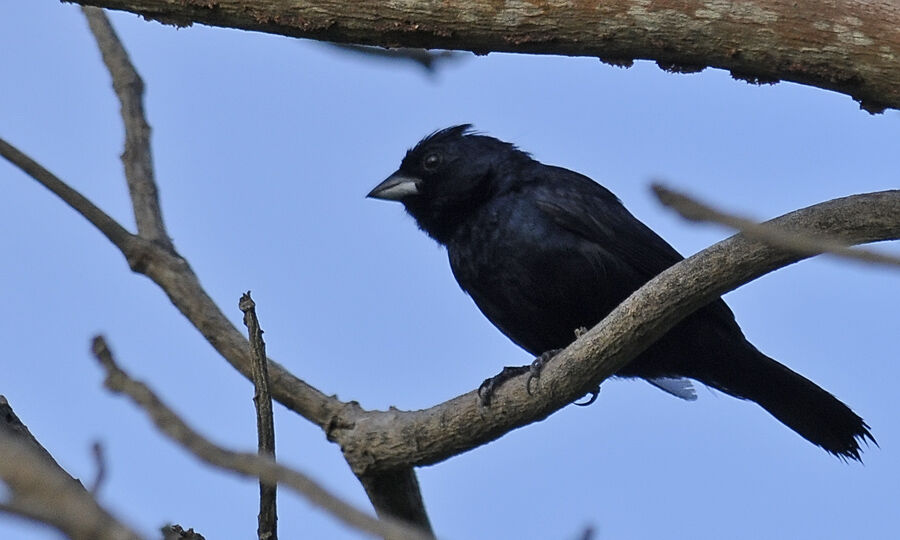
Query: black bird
544, 251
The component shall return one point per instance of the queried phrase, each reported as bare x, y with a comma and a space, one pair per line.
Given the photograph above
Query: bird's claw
594, 393
534, 370
485, 391
490, 385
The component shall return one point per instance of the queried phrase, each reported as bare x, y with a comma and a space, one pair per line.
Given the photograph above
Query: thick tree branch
849, 46
15, 428
40, 490
262, 467
376, 441
42, 493
395, 493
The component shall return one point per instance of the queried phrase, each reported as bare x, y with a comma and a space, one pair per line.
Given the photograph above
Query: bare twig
137, 157
100, 464
40, 490
265, 422
114, 232
248, 464
807, 245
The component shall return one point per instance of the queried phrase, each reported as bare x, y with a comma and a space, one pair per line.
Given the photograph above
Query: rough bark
847, 46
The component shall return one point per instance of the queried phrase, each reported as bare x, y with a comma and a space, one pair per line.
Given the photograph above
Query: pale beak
396, 187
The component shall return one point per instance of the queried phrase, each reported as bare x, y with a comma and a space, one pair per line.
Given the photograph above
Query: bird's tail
798, 403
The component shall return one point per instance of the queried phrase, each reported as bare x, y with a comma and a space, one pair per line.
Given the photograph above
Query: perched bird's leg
580, 331
487, 388
534, 370
542, 360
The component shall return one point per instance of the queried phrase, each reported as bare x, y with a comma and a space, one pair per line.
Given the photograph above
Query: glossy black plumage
543, 251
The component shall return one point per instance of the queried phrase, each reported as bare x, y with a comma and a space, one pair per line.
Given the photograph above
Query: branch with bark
849, 46
40, 490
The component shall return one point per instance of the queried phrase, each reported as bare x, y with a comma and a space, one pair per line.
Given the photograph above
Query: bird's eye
431, 161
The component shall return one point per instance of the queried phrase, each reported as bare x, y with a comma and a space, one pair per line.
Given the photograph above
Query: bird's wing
580, 205
584, 207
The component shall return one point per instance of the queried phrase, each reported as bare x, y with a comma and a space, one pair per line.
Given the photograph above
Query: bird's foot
534, 370
580, 331
489, 386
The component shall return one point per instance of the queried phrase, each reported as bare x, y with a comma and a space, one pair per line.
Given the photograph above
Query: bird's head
446, 176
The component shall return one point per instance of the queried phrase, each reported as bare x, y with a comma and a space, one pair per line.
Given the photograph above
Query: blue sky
265, 147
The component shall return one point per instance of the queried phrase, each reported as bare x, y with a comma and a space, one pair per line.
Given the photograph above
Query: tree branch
848, 46
694, 210
15, 428
39, 489
395, 493
262, 467
175, 277
136, 158
265, 421
376, 441
110, 228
